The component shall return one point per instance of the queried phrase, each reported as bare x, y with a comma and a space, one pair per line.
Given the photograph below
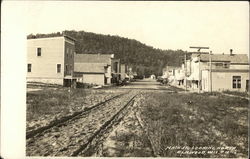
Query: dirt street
137, 120
145, 84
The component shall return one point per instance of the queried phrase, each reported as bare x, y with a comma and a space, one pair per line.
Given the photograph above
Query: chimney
231, 52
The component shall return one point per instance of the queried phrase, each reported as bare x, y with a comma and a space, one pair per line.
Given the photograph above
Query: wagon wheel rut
74, 137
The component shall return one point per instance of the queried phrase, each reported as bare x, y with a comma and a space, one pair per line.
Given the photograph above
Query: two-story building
51, 60
100, 69
219, 72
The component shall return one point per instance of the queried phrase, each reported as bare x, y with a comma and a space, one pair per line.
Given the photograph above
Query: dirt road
145, 84
83, 134
143, 119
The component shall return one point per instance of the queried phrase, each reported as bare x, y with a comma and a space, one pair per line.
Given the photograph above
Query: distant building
228, 72
115, 70
174, 74
51, 60
131, 73
100, 69
124, 71
170, 70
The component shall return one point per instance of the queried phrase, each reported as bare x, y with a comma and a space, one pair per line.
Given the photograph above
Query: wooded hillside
145, 60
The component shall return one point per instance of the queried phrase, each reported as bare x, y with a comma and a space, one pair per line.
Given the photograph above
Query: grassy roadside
241, 94
51, 103
176, 89
197, 121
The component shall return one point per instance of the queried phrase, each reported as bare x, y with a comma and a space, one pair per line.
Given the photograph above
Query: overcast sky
164, 25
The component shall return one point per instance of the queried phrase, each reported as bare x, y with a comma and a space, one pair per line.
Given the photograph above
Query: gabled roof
235, 58
89, 67
93, 58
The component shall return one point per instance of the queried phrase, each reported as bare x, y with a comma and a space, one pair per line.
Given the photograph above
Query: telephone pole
185, 67
199, 48
210, 70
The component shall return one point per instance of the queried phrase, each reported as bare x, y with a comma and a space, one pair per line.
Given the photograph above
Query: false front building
227, 72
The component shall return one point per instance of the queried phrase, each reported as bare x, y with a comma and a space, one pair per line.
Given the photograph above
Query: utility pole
185, 67
210, 70
199, 83
199, 48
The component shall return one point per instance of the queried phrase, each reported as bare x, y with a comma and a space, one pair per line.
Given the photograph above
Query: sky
166, 25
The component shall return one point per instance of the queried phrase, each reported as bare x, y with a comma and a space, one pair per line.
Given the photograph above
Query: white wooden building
51, 60
100, 69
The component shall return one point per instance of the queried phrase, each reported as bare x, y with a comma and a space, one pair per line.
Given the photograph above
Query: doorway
247, 85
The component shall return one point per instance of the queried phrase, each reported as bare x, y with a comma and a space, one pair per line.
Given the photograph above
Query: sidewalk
191, 90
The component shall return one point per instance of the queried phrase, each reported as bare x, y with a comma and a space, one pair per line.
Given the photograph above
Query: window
66, 69
29, 67
58, 68
69, 53
39, 51
236, 81
226, 65
218, 64
116, 67
72, 53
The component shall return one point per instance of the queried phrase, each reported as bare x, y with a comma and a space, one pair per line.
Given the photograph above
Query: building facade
174, 74
51, 60
99, 69
223, 80
219, 72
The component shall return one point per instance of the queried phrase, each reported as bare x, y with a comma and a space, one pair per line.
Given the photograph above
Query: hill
145, 60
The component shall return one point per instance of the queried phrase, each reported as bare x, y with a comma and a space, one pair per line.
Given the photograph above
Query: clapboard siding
53, 52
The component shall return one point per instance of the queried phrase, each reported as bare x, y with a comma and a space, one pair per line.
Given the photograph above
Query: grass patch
196, 120
51, 101
176, 89
241, 94
44, 85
